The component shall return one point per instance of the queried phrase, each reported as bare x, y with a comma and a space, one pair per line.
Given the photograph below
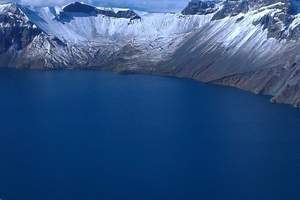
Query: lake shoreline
155, 73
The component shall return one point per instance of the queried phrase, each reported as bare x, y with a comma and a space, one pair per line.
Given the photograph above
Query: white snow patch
95, 28
296, 22
3, 7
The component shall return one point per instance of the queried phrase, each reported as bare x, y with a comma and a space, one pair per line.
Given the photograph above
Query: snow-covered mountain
249, 44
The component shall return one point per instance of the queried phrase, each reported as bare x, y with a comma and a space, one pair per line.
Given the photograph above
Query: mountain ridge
250, 44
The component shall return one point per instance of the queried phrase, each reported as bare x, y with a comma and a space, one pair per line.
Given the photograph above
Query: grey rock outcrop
198, 7
16, 30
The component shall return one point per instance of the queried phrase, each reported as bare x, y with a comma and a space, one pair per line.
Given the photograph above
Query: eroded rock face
232, 8
198, 7
16, 30
127, 14
235, 7
278, 23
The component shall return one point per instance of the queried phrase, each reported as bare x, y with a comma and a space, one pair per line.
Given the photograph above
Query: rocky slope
249, 44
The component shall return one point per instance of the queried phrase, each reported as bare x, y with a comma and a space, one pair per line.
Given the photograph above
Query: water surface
74, 135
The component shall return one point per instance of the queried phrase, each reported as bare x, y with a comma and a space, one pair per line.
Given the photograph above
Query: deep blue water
88, 135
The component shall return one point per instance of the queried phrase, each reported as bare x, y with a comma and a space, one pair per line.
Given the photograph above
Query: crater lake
91, 135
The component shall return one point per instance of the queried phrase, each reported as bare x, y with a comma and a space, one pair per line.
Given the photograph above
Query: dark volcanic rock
232, 8
108, 13
254, 4
294, 33
128, 14
274, 26
198, 7
235, 7
278, 23
16, 31
79, 7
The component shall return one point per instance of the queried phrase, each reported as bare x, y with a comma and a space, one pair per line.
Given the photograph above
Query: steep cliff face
196, 7
249, 44
255, 49
16, 31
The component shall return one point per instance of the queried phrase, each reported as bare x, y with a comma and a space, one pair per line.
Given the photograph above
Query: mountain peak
226, 8
79, 7
200, 7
